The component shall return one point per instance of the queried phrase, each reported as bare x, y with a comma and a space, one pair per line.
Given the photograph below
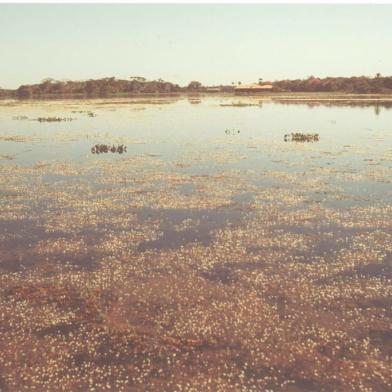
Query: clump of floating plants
89, 113
6, 157
302, 137
105, 148
232, 131
54, 119
20, 118
17, 138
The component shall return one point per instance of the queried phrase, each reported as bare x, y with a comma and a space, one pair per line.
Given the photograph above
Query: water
180, 151
350, 166
209, 239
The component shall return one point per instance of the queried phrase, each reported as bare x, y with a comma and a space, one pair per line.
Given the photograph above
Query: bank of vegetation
358, 85
104, 87
108, 87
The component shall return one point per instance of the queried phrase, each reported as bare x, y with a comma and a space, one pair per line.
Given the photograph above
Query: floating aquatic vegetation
302, 137
89, 113
20, 118
6, 157
232, 131
54, 119
105, 148
17, 138
151, 273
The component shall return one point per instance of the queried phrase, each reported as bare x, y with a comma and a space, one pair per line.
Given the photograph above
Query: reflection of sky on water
179, 129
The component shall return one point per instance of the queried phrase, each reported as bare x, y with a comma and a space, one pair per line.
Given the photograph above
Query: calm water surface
353, 139
211, 251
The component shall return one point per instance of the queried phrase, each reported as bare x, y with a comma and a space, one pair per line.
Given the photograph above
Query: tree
194, 85
90, 87
47, 80
24, 92
138, 78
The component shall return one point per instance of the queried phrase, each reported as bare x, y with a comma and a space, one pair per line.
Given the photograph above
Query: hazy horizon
214, 44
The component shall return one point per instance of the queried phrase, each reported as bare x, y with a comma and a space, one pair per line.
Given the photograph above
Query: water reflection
363, 103
194, 101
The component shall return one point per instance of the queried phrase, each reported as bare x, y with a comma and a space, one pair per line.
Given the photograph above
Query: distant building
253, 88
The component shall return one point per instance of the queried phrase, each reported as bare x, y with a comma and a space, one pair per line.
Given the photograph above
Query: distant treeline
360, 85
93, 88
6, 93
140, 86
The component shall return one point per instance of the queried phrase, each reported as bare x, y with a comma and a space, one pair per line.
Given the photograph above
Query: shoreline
289, 96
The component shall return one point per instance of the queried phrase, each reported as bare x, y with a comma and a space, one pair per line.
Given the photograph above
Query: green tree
194, 85
24, 92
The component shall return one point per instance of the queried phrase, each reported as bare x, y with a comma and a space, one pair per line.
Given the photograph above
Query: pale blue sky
179, 43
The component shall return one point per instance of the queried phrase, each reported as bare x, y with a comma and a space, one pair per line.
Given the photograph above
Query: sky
214, 44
